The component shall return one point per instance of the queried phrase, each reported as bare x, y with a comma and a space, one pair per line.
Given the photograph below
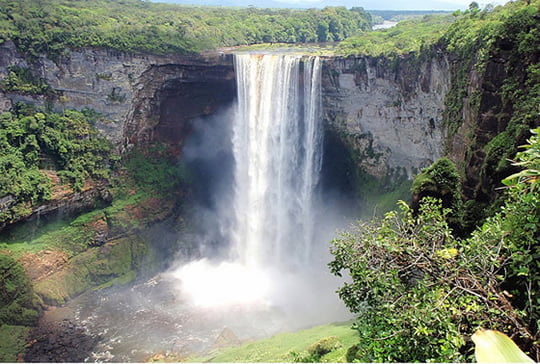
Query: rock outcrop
389, 112
134, 92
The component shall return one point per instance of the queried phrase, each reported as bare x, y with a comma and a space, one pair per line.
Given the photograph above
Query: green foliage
53, 26
419, 291
154, 169
530, 159
18, 303
31, 140
12, 342
406, 36
399, 287
22, 81
441, 180
519, 222
322, 347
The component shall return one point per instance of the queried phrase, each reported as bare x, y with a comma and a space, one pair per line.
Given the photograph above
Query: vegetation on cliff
36, 146
425, 278
50, 27
96, 247
417, 287
494, 97
55, 258
407, 36
18, 303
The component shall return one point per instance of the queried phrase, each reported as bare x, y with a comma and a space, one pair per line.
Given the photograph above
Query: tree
419, 291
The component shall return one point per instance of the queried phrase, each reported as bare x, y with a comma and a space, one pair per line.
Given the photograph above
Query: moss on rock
12, 342
116, 262
18, 303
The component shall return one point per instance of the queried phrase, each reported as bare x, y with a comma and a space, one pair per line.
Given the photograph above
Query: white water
276, 258
277, 145
274, 280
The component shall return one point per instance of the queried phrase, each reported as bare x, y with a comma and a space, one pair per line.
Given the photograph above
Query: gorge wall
389, 113
134, 92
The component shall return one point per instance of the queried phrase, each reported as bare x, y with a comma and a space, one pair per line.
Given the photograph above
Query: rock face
390, 113
132, 91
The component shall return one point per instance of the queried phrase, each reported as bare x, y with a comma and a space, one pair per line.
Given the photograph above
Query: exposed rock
227, 338
62, 341
127, 89
66, 200
6, 202
42, 264
101, 231
169, 96
391, 113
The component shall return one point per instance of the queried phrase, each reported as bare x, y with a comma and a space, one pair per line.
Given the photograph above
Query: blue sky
366, 4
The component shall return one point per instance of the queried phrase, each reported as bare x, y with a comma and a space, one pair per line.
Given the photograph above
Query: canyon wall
388, 112
131, 91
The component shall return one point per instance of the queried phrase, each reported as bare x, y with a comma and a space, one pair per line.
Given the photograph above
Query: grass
12, 342
384, 202
64, 235
285, 347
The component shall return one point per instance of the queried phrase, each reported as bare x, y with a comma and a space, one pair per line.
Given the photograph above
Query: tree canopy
34, 141
51, 26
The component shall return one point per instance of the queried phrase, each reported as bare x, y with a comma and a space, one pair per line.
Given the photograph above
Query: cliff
388, 112
133, 92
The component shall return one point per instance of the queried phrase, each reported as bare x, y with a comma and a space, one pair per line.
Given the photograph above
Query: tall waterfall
277, 146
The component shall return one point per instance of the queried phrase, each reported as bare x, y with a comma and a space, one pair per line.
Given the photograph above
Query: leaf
495, 347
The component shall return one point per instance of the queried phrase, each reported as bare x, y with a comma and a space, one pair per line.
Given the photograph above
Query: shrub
419, 291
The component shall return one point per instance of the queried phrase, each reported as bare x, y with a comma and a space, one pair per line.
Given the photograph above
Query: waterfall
277, 256
277, 147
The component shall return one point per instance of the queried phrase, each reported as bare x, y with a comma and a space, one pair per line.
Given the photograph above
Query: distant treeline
397, 15
51, 26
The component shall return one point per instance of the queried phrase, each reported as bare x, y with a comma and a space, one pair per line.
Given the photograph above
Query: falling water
277, 146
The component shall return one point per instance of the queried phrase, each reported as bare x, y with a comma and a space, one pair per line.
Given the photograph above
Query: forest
52, 26
462, 254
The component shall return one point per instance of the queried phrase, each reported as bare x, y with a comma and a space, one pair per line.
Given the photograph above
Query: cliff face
390, 114
132, 91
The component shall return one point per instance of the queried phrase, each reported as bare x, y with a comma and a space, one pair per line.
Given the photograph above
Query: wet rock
226, 338
59, 342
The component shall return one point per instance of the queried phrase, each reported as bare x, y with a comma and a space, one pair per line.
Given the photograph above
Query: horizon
368, 5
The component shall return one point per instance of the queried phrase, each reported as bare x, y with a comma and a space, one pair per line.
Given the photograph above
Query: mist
285, 276
253, 252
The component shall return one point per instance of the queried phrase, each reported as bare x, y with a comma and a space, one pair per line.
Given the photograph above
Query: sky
366, 4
